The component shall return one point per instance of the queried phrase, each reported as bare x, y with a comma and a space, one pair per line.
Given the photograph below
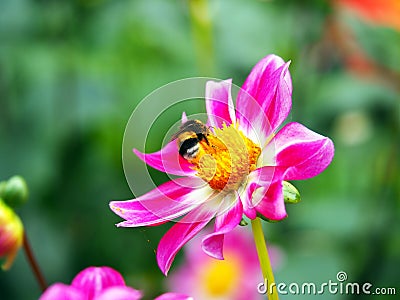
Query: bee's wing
176, 134
190, 126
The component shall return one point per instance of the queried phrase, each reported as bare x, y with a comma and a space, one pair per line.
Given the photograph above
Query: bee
190, 134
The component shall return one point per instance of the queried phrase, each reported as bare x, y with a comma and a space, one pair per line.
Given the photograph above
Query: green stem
33, 263
263, 257
202, 36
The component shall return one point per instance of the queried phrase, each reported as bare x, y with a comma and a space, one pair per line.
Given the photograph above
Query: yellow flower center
220, 277
226, 160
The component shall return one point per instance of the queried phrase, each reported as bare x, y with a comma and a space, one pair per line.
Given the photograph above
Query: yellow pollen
227, 159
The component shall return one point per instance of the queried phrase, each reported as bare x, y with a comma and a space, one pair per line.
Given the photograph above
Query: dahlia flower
234, 278
239, 168
99, 283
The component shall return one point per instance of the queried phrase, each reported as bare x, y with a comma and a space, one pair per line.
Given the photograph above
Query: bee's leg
205, 137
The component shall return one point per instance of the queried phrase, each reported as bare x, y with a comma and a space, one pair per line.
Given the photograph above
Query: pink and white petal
164, 203
270, 201
219, 104
173, 296
93, 280
302, 152
62, 291
269, 83
260, 74
120, 293
184, 118
281, 103
268, 154
261, 177
182, 232
212, 244
167, 160
264, 176
253, 121
246, 199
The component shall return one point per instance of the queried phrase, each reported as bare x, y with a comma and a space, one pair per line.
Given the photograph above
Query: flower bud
94, 280
11, 235
290, 193
14, 191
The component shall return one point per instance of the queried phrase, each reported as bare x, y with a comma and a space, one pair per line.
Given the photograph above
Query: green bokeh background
71, 73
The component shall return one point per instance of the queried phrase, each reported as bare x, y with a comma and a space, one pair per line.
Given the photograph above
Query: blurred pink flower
235, 278
240, 166
99, 283
11, 234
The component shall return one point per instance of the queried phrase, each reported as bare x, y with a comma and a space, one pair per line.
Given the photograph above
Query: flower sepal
264, 218
243, 222
290, 193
